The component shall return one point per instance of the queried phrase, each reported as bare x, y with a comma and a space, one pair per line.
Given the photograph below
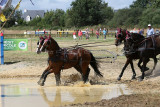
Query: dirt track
146, 93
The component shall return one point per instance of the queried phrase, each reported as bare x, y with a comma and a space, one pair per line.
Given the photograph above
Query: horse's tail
95, 65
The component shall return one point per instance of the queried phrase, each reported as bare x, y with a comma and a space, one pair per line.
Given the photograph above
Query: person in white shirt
150, 31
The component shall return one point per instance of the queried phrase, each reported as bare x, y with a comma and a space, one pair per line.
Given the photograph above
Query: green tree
146, 4
126, 17
12, 19
89, 12
18, 17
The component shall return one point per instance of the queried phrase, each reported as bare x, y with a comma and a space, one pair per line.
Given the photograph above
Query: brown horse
147, 48
123, 35
60, 59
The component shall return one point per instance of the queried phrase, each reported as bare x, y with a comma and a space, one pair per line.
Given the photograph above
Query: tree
146, 4
140, 4
89, 12
126, 17
12, 19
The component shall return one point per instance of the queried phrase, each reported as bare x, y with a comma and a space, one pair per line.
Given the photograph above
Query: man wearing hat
150, 31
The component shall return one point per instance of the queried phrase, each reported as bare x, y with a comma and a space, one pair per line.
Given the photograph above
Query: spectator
87, 34
100, 31
150, 31
74, 35
141, 32
1, 33
92, 32
97, 33
80, 34
104, 33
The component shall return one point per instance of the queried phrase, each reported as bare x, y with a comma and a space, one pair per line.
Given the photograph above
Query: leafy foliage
89, 12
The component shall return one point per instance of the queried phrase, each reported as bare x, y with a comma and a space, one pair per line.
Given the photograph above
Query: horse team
136, 46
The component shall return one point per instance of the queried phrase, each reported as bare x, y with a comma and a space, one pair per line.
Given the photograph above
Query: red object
97, 33
80, 33
74, 33
1, 34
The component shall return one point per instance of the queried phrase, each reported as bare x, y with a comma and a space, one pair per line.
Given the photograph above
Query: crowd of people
80, 33
103, 32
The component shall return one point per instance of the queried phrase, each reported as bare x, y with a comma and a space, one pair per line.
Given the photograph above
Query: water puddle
29, 94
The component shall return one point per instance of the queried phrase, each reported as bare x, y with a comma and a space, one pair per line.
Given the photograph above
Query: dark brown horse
123, 35
147, 48
60, 59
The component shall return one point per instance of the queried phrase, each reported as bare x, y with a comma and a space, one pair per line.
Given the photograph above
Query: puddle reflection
20, 96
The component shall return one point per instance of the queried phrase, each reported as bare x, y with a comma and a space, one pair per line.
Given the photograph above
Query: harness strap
153, 41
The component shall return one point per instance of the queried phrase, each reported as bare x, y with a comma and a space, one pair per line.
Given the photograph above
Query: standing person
92, 32
150, 31
100, 31
1, 33
97, 33
104, 33
80, 34
141, 32
87, 34
74, 35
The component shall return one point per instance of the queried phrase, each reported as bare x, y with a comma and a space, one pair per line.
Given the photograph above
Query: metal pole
2, 51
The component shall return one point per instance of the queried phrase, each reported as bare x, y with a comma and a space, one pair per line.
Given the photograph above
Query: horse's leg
125, 66
57, 77
139, 64
86, 74
43, 75
44, 78
134, 73
155, 63
145, 60
78, 68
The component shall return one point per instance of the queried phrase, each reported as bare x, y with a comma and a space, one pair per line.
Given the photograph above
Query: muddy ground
145, 94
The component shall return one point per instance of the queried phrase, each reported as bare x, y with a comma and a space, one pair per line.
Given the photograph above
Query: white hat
149, 24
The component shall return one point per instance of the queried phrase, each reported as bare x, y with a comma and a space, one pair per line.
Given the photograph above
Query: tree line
92, 13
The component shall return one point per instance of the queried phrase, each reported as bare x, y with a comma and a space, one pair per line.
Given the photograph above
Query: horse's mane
56, 44
137, 36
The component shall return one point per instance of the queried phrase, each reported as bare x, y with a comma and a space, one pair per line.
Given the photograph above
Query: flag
18, 5
2, 17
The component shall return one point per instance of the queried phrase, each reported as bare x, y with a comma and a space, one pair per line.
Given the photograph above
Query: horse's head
47, 44
120, 36
39, 44
128, 42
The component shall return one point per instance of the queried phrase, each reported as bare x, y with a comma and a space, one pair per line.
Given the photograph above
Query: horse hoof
119, 78
41, 84
133, 78
38, 82
140, 80
146, 69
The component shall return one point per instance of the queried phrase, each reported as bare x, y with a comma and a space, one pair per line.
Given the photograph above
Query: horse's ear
49, 36
41, 37
45, 36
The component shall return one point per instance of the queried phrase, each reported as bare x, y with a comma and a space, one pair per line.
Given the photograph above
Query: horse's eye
48, 42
